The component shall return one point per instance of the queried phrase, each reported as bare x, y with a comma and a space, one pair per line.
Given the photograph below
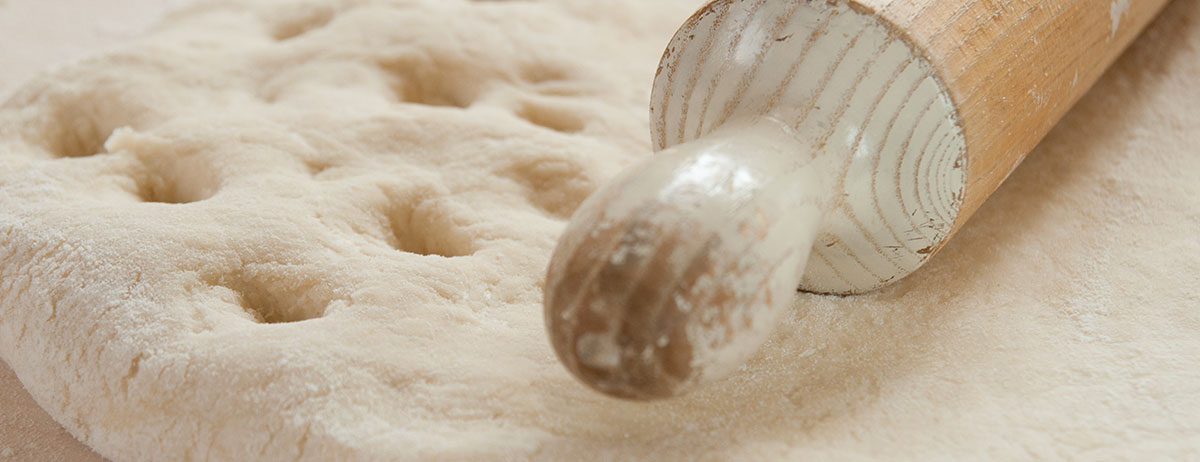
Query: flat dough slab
317, 231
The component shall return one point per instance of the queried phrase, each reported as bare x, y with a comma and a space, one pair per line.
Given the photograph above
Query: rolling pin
829, 145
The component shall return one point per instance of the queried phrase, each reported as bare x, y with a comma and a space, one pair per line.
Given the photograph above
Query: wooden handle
898, 117
677, 271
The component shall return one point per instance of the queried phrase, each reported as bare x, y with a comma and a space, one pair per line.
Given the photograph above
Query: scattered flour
317, 229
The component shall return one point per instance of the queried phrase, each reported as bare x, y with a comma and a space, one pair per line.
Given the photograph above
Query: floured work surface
317, 230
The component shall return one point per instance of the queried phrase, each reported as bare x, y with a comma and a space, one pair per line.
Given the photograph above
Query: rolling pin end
675, 273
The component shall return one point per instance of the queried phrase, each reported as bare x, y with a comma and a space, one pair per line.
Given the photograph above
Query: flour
319, 231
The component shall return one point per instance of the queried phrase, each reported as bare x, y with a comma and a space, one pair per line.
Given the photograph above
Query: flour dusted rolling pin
832, 145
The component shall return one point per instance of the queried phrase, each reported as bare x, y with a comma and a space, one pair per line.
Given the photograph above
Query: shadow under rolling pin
829, 145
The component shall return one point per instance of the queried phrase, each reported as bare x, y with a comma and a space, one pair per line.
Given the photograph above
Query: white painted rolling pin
832, 145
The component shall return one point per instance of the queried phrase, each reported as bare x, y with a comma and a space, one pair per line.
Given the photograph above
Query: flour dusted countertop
318, 229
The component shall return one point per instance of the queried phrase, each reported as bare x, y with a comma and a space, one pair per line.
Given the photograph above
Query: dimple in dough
317, 230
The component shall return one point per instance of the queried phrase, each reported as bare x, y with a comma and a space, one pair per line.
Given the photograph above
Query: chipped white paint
804, 143
852, 90
808, 136
714, 233
1115, 12
598, 351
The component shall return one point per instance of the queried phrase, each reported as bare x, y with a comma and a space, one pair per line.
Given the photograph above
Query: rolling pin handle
675, 273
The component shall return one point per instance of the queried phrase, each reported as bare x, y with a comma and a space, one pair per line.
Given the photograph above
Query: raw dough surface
317, 229
49, 33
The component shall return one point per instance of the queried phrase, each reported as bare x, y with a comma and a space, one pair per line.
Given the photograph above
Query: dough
50, 33
317, 230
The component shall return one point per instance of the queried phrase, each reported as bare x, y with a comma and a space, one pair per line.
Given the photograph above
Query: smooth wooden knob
676, 272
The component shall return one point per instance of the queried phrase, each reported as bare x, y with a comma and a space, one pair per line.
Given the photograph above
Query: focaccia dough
317, 230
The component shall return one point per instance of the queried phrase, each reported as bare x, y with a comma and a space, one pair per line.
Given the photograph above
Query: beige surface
27, 433
38, 34
1064, 321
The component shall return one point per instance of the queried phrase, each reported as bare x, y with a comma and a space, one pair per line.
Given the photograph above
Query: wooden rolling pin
829, 144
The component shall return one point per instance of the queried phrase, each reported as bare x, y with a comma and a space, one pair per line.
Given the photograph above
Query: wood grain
1014, 67
856, 136
932, 103
856, 90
